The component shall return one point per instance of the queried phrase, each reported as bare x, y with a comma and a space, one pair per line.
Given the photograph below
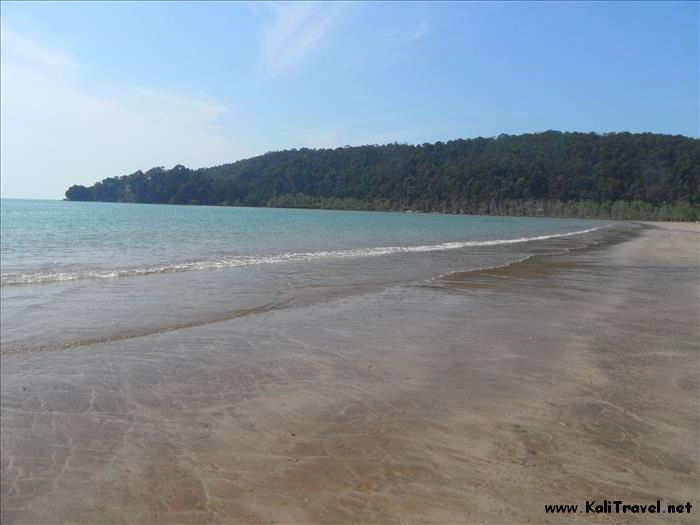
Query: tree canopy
625, 175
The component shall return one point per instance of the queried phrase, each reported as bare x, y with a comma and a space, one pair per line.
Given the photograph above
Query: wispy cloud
422, 30
293, 31
16, 46
58, 118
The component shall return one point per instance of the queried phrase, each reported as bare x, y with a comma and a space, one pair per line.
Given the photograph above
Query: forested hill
622, 175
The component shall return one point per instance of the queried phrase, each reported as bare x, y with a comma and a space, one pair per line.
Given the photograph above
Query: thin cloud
59, 119
422, 30
16, 47
293, 31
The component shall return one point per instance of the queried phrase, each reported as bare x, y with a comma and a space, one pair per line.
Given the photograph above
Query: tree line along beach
552, 174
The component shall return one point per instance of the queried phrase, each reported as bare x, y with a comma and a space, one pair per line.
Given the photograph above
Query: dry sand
478, 398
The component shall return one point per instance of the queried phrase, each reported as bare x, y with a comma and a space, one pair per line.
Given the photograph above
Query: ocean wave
248, 260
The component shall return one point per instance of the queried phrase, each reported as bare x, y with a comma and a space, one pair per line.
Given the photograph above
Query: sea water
80, 272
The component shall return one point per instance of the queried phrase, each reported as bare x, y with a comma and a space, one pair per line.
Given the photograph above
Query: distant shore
641, 176
480, 397
576, 210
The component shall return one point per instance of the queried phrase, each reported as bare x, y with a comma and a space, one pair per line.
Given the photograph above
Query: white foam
246, 260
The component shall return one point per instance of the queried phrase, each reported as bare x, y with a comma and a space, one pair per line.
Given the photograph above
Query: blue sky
92, 90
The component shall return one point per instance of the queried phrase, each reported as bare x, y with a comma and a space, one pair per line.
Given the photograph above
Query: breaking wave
249, 260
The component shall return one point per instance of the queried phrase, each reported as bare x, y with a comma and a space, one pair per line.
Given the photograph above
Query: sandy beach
478, 397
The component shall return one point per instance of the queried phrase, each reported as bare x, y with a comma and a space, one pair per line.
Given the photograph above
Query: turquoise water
49, 241
75, 273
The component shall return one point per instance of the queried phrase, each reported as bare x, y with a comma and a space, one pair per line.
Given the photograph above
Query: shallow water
49, 241
77, 273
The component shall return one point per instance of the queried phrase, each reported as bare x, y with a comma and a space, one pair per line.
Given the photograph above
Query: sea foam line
249, 260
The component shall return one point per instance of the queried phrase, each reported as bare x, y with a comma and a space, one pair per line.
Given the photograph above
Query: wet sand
476, 398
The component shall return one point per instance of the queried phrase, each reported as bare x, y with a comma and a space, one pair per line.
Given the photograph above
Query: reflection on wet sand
478, 398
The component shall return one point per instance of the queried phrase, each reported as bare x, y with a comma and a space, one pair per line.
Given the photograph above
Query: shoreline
393, 210
479, 397
226, 290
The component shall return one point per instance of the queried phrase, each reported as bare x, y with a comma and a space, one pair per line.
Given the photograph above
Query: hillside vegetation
619, 175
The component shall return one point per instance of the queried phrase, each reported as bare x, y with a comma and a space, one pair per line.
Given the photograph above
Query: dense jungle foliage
618, 175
